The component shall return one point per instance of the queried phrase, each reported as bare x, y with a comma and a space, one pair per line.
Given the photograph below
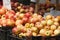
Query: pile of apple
35, 25
29, 24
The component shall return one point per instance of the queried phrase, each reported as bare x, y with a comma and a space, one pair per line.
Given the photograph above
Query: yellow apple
53, 27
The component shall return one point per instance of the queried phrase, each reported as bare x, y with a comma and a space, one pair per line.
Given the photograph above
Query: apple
56, 23
26, 10
28, 33
53, 27
15, 30
39, 17
19, 26
21, 15
33, 20
47, 33
56, 32
35, 15
42, 32
25, 19
21, 10
18, 22
22, 34
49, 22
23, 29
2, 11
43, 22
38, 25
58, 27
34, 33
27, 25
49, 17
4, 22
34, 29
12, 12
10, 22
31, 24
56, 19
27, 15
47, 27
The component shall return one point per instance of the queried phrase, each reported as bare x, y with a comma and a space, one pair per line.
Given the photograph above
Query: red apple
25, 19
2, 11
15, 30
27, 15
18, 22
